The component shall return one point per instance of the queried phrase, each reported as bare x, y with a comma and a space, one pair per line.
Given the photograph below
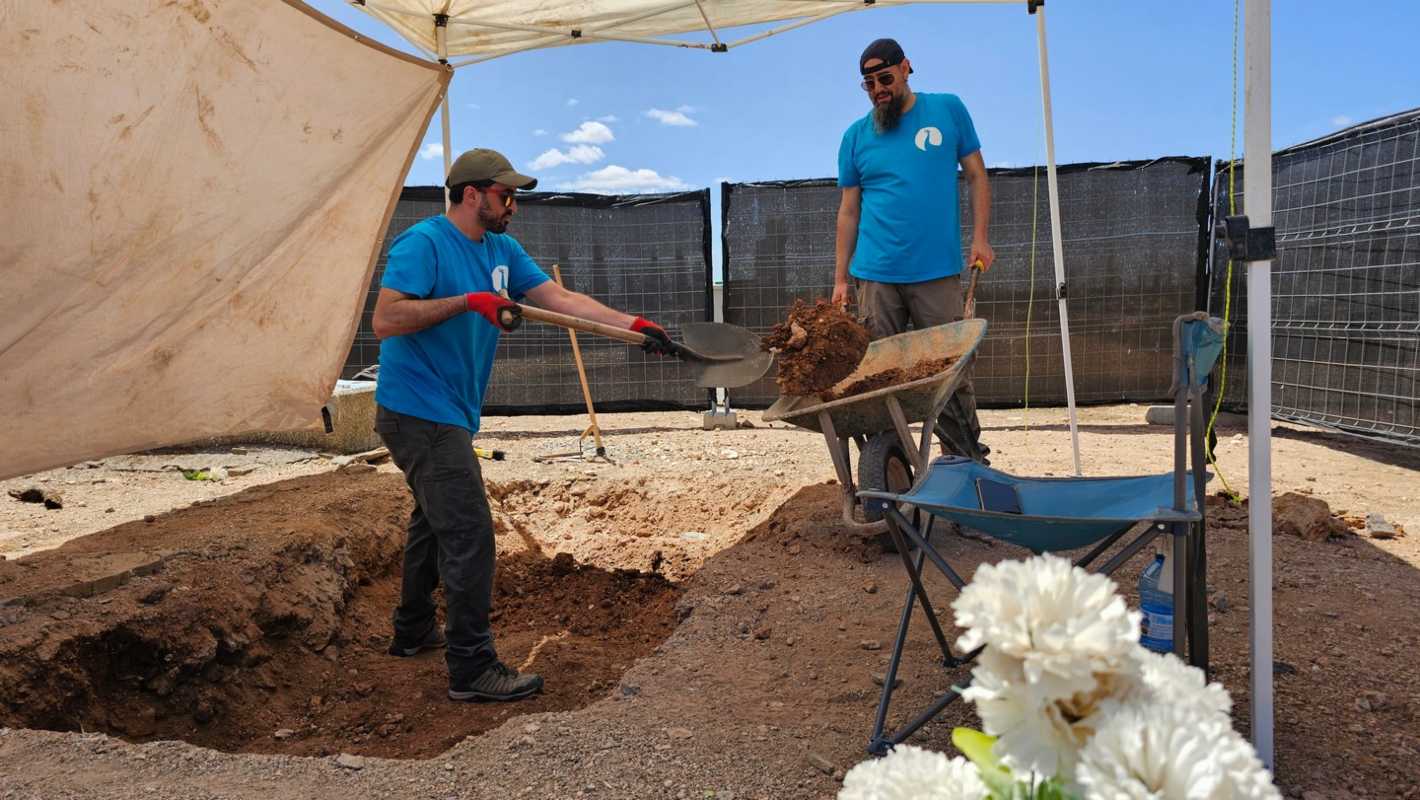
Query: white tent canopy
490, 28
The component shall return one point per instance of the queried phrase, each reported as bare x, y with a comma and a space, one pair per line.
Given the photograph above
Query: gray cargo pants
888, 307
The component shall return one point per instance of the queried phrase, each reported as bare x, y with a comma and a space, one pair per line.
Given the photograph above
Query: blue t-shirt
441, 372
909, 227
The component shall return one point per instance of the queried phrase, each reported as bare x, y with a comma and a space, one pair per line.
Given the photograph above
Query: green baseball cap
482, 164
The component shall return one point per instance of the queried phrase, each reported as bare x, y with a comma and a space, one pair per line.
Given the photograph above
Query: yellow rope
1228, 280
1030, 303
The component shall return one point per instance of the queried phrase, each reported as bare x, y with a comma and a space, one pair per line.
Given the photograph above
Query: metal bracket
1060, 291
719, 47
1246, 243
1032, 5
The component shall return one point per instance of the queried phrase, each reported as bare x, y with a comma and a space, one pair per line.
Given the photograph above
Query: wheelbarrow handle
970, 305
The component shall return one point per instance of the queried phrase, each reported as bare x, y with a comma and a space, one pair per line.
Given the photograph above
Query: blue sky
1129, 80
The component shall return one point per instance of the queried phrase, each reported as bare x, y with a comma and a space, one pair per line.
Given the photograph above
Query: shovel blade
718, 339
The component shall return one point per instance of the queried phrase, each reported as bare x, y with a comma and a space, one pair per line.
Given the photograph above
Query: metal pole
441, 38
1058, 245
1257, 199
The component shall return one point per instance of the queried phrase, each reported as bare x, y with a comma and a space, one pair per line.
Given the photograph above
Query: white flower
911, 772
1060, 650
1169, 681
1144, 752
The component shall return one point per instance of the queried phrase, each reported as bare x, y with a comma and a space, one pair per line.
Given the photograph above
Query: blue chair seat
1056, 513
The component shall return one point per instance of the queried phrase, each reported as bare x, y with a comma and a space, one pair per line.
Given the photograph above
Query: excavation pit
259, 623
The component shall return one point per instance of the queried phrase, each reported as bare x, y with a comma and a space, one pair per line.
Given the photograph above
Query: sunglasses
884, 79
508, 196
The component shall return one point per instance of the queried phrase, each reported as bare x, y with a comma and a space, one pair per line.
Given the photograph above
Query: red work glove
657, 340
497, 309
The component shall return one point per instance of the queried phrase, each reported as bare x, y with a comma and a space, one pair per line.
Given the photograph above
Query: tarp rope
1228, 279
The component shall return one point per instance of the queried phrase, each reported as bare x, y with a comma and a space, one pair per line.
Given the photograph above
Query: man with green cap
899, 229
445, 283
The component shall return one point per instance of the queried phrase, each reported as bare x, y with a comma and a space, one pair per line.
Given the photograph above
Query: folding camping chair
1060, 514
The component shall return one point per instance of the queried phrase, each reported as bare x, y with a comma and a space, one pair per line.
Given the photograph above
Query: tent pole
1056, 243
1257, 197
441, 37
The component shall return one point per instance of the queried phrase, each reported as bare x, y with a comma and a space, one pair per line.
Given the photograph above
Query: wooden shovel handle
584, 325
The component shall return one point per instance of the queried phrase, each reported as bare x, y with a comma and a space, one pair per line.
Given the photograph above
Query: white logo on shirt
500, 279
928, 135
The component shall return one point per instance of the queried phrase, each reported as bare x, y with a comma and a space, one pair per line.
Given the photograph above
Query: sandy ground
761, 670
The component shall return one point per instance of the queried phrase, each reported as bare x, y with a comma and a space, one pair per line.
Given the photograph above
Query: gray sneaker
433, 640
498, 682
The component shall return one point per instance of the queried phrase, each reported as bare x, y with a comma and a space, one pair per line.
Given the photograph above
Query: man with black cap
437, 316
898, 225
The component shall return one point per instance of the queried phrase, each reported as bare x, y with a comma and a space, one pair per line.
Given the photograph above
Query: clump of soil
817, 346
260, 622
892, 377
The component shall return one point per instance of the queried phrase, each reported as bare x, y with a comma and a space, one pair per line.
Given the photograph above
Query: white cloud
589, 133
572, 101
431, 151
540, 132
1001, 165
615, 179
608, 118
578, 154
684, 109
676, 118
1341, 120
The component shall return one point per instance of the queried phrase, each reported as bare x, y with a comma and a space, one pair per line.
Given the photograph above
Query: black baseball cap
886, 50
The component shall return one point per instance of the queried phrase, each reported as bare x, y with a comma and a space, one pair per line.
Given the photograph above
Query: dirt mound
892, 377
818, 346
260, 621
644, 524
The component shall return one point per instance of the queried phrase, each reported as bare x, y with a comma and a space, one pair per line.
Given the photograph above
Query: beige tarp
193, 192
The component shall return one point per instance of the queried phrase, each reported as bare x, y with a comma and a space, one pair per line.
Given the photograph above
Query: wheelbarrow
879, 421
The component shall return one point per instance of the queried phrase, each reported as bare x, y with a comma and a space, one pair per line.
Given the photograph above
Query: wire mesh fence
644, 254
1134, 248
1345, 285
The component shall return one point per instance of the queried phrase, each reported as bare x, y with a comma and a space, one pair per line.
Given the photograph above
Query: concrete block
1163, 415
723, 420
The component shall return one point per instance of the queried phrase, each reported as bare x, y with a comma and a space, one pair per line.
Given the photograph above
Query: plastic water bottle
1156, 602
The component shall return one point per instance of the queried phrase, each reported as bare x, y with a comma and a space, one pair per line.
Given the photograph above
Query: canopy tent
153, 266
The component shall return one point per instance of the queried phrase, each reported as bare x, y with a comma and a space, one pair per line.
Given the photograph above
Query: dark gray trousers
450, 539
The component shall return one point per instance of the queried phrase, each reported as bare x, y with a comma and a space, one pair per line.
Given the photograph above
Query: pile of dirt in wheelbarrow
892, 377
817, 346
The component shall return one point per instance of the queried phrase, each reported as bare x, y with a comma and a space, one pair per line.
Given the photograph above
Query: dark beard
490, 222
886, 117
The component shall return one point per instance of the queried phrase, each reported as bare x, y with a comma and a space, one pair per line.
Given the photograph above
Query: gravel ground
769, 673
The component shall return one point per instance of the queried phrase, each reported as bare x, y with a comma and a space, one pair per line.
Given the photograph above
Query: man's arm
554, 297
980, 187
849, 208
398, 314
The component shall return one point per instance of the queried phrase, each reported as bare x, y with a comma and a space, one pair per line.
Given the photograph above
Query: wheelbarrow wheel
883, 465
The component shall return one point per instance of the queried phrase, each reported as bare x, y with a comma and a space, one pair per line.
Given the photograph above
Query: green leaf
195, 474
978, 748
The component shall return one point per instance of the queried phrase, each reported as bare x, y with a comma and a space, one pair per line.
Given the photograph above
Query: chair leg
907, 539
1198, 550
914, 574
1182, 593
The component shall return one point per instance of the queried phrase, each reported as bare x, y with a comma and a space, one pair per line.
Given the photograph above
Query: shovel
718, 354
970, 310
